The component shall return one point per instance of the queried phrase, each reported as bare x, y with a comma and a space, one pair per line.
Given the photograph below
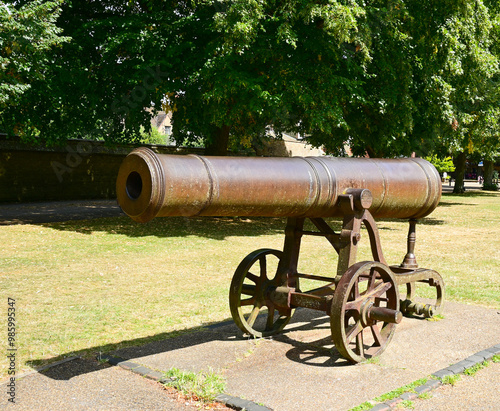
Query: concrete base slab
301, 369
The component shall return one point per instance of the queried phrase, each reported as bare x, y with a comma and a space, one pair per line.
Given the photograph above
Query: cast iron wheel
363, 287
250, 291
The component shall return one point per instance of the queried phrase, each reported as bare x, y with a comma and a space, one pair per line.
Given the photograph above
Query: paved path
87, 385
301, 370
479, 392
296, 371
57, 211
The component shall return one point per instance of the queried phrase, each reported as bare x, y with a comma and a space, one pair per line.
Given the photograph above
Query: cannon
362, 298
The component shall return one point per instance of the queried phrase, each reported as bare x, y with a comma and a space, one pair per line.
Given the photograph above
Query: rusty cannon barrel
157, 185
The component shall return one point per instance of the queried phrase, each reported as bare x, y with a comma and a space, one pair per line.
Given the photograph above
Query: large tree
99, 83
227, 70
490, 146
430, 83
386, 76
290, 65
460, 93
27, 36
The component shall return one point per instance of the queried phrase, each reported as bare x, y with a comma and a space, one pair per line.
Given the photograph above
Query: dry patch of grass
88, 286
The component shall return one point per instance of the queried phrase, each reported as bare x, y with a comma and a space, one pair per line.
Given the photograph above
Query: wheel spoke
252, 277
379, 340
380, 289
353, 305
270, 319
253, 316
247, 301
379, 300
354, 331
263, 266
248, 289
360, 348
373, 278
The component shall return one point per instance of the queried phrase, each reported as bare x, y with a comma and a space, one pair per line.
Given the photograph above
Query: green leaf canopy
385, 77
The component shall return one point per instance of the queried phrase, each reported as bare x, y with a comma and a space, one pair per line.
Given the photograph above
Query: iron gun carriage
361, 298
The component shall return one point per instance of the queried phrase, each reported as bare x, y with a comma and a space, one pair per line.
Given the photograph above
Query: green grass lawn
89, 286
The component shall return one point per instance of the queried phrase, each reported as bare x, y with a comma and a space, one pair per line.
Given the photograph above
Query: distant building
296, 145
290, 145
163, 122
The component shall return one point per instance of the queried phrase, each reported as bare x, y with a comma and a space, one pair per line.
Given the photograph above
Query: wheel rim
364, 285
250, 291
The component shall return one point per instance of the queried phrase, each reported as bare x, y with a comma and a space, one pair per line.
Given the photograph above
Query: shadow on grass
177, 343
467, 194
56, 211
422, 221
431, 221
217, 228
473, 193
447, 204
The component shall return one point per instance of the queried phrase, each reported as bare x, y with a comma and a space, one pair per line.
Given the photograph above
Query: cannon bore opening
134, 185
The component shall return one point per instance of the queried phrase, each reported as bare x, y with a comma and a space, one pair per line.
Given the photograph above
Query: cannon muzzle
157, 185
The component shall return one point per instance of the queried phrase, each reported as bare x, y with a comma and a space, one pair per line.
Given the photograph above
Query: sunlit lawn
89, 286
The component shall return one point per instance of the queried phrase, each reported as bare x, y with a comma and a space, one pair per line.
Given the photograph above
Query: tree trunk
460, 161
219, 143
488, 167
372, 153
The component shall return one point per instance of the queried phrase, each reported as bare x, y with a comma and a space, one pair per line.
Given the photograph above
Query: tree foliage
27, 34
443, 165
278, 64
431, 79
388, 77
96, 85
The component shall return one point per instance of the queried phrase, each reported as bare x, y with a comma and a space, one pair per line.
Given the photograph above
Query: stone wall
79, 170
84, 169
